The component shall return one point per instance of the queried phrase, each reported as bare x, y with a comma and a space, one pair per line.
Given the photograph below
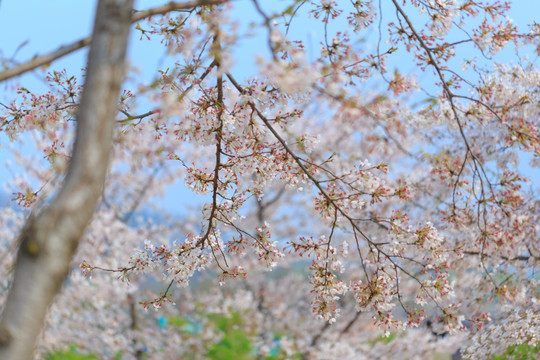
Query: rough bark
51, 235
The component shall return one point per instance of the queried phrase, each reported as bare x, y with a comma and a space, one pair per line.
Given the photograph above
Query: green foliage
384, 339
178, 322
519, 352
71, 354
235, 343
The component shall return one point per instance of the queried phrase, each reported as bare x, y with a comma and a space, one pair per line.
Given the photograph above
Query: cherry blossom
348, 206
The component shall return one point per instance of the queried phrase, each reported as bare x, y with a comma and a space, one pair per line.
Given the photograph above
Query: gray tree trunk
51, 235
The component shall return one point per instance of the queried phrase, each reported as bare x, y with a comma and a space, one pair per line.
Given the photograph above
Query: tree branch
51, 235
62, 51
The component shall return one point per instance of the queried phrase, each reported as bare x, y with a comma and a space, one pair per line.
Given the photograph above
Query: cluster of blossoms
326, 264
430, 198
516, 327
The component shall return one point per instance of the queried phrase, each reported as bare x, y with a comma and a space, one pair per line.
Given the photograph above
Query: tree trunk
51, 235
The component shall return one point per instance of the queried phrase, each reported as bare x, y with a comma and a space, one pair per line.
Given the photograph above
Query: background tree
379, 197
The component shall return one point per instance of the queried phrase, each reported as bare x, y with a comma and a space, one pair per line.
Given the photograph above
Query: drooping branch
478, 168
51, 235
337, 208
62, 51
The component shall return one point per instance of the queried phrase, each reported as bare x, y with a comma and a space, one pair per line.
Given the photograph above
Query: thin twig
62, 51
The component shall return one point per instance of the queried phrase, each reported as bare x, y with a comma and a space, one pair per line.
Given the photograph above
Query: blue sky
45, 26
37, 27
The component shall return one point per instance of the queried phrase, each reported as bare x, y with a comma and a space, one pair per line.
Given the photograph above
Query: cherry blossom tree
49, 237
351, 208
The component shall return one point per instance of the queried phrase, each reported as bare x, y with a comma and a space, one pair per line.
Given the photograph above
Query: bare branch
62, 51
173, 6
